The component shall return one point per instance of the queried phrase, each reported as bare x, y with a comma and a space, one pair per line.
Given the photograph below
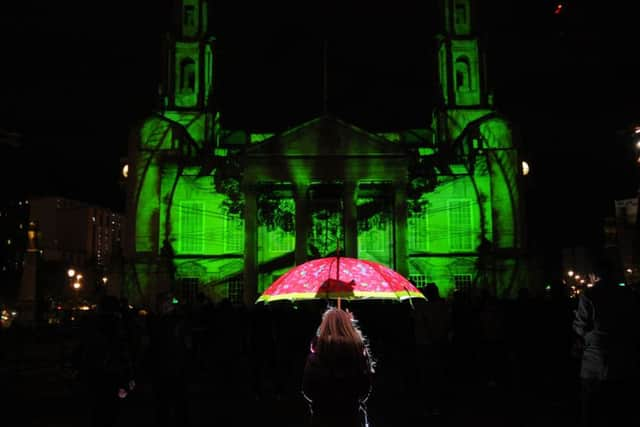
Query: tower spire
459, 60
188, 66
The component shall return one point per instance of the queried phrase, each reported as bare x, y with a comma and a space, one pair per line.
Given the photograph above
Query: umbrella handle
339, 302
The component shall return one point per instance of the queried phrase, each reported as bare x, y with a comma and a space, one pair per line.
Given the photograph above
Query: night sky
77, 75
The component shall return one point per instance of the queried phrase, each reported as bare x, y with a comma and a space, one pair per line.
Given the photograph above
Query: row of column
303, 224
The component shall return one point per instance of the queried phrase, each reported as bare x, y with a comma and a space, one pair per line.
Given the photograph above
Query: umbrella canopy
340, 278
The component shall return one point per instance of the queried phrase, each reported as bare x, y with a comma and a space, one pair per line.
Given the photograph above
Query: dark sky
77, 75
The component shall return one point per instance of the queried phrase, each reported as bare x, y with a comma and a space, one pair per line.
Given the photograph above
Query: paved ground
36, 390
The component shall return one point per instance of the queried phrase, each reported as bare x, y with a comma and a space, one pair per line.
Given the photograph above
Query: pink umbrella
340, 278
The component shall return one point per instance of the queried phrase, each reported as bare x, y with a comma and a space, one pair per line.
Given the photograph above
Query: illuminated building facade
226, 211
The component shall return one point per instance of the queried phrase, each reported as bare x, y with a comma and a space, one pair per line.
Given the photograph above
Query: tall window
418, 233
233, 234
187, 75
191, 227
460, 224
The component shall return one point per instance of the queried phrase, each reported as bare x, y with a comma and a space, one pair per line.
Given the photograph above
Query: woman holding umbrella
338, 372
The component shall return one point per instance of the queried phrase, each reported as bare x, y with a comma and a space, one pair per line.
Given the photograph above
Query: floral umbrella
340, 278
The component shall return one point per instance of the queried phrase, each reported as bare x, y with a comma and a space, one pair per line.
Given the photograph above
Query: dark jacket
607, 319
335, 391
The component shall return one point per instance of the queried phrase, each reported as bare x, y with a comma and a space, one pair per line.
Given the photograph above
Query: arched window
463, 74
187, 75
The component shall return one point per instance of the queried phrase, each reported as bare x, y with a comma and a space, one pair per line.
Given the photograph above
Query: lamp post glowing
75, 278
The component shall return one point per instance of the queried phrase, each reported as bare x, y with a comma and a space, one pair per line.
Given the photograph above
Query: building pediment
326, 136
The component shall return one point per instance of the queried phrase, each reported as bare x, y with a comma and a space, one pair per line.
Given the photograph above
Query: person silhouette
607, 319
437, 335
105, 362
337, 376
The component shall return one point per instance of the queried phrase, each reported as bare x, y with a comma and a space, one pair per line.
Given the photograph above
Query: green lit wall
188, 229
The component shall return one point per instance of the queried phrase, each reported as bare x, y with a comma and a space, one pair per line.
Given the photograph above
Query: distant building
14, 218
226, 211
74, 231
74, 234
620, 240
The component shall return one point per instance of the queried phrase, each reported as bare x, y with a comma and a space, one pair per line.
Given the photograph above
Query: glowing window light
125, 170
525, 168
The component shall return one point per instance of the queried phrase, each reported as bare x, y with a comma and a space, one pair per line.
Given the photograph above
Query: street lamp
75, 278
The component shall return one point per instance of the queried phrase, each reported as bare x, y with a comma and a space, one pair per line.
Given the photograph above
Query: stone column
250, 289
400, 228
303, 217
350, 220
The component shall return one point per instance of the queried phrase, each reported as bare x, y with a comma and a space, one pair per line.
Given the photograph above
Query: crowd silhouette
425, 352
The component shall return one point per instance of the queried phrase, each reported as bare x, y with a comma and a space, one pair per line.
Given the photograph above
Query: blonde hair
339, 337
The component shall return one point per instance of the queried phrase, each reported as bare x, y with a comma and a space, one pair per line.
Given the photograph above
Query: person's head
431, 292
338, 336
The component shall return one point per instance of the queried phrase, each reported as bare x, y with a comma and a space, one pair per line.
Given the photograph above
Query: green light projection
445, 200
